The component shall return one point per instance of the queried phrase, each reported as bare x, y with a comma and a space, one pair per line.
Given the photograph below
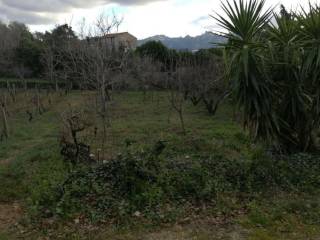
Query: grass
27, 80
28, 143
30, 83
292, 216
4, 236
30, 164
146, 121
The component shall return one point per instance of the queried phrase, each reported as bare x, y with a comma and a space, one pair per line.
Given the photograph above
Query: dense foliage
156, 187
212, 168
158, 52
273, 67
25, 54
20, 51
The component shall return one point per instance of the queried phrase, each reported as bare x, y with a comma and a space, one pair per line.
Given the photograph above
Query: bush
296, 172
144, 183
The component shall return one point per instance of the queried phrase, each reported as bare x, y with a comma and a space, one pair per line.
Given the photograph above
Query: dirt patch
10, 214
5, 162
205, 232
197, 230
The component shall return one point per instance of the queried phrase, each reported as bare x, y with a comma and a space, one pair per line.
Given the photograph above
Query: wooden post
38, 101
5, 121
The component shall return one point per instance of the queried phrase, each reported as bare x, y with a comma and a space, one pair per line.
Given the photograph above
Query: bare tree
51, 61
204, 81
214, 87
176, 89
96, 61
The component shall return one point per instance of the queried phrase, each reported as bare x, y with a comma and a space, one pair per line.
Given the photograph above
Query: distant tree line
20, 51
168, 57
88, 61
24, 54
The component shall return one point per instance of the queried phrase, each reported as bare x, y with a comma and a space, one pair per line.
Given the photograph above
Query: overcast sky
142, 18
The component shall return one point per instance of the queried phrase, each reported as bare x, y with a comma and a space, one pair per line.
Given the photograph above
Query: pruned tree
96, 62
75, 122
213, 87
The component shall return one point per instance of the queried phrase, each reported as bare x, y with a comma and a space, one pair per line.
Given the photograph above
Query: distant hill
204, 41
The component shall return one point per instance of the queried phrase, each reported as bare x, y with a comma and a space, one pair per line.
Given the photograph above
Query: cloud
47, 11
200, 19
13, 14
143, 18
173, 18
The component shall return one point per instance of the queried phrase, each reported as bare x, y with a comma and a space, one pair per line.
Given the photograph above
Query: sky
142, 18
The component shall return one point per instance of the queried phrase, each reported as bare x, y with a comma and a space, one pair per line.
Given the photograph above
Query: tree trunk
195, 100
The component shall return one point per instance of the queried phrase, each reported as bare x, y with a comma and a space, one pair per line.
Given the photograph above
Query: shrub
144, 182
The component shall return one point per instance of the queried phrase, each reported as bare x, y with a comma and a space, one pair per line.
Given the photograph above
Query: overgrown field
151, 181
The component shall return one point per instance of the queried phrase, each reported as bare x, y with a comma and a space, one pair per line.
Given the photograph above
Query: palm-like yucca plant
309, 21
274, 68
293, 103
245, 25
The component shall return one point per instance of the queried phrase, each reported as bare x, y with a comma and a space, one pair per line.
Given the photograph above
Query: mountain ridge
203, 41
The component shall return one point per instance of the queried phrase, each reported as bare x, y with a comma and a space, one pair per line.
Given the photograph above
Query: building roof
118, 34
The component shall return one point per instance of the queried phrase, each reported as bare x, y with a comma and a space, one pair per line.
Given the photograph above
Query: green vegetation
214, 171
283, 217
158, 52
155, 138
274, 71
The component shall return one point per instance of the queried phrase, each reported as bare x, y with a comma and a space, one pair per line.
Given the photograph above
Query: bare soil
10, 214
